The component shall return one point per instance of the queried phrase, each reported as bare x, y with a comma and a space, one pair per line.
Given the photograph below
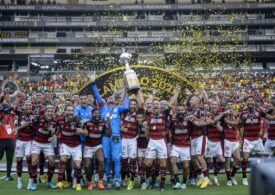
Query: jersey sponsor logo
43, 131
68, 133
130, 119
252, 121
92, 135
180, 131
153, 120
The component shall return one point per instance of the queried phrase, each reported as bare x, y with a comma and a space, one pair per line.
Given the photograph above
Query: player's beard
96, 120
70, 116
250, 106
180, 116
49, 117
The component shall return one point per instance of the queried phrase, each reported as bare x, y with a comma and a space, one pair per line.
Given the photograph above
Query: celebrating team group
122, 139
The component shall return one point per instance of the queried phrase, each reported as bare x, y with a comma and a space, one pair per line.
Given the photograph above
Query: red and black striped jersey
196, 131
251, 122
27, 133
67, 130
129, 122
230, 132
213, 134
95, 132
158, 124
180, 132
271, 130
41, 128
142, 141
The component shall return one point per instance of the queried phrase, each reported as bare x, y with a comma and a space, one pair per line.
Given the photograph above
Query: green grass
9, 188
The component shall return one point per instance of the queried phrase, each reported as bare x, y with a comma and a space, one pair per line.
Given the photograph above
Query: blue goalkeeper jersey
114, 112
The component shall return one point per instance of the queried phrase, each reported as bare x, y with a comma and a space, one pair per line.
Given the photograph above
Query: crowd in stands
228, 85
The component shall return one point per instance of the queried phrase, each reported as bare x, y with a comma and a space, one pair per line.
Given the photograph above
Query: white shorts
181, 152
198, 145
230, 148
47, 149
268, 145
23, 148
141, 152
74, 152
129, 148
156, 149
256, 146
89, 152
54, 143
213, 149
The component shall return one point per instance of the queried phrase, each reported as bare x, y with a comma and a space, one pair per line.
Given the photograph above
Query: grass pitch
9, 188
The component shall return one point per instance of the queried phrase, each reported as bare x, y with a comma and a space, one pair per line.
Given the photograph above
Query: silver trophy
130, 75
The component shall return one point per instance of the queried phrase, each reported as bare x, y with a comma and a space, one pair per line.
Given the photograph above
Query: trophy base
133, 90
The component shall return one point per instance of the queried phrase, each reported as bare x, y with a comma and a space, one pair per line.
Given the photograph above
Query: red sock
234, 170
133, 167
244, 167
50, 172
124, 168
153, 174
198, 171
19, 164
101, 176
78, 175
205, 173
217, 168
162, 176
29, 163
141, 173
61, 171
228, 174
41, 163
88, 173
34, 173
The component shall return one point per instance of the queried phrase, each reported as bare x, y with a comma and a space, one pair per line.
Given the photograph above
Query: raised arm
125, 107
270, 117
140, 99
220, 116
174, 99
96, 94
203, 123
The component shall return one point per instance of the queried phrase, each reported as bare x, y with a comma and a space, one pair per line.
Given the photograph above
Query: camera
5, 109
